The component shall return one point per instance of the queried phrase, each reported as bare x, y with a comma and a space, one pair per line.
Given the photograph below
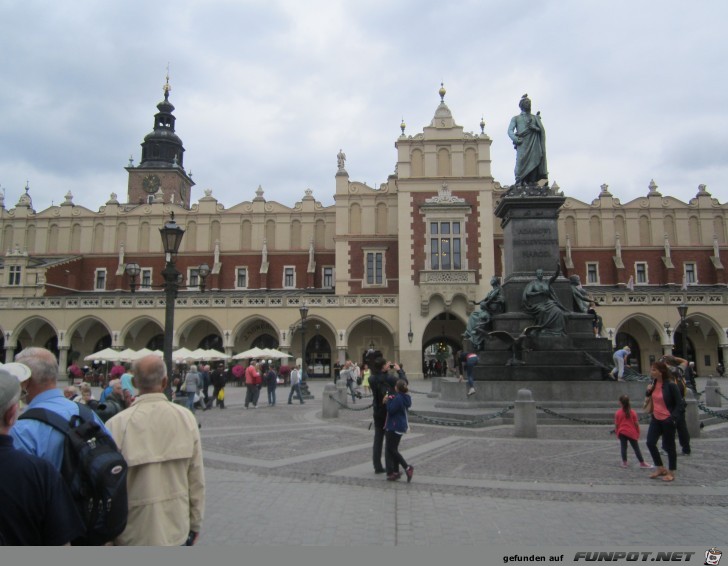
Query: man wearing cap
33, 436
36, 506
620, 358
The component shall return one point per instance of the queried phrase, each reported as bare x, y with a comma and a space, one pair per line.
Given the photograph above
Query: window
640, 271
328, 278
445, 245
100, 280
14, 275
145, 280
592, 273
193, 277
289, 277
691, 274
241, 278
375, 268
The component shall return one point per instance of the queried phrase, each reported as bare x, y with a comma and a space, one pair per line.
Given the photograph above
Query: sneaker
645, 465
380, 471
624, 464
471, 392
394, 477
410, 471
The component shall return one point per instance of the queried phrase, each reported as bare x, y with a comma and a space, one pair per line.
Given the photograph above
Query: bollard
330, 407
691, 414
341, 391
712, 393
524, 415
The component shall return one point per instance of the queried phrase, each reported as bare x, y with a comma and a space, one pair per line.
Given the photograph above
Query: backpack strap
55, 420
48, 417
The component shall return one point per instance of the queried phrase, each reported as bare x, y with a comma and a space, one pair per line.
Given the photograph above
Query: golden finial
402, 126
442, 92
167, 87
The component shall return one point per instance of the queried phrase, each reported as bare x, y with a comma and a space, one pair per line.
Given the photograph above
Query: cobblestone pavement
284, 469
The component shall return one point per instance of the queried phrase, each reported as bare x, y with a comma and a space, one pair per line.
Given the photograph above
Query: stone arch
139, 331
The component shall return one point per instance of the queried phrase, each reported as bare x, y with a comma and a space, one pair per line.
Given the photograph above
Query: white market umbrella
252, 353
279, 355
198, 354
181, 354
105, 355
127, 355
141, 353
213, 355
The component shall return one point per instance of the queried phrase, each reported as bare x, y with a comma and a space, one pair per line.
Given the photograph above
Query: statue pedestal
529, 217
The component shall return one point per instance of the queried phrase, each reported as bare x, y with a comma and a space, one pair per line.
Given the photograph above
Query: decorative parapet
446, 284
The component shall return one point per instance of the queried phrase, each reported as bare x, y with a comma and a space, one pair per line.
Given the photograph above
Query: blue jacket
397, 412
40, 439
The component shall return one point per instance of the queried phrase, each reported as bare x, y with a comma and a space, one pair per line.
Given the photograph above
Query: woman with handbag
667, 406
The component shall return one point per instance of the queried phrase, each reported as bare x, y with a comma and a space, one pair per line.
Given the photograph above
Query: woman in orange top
667, 405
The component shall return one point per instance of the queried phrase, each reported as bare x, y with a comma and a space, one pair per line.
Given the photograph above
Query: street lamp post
303, 310
171, 239
171, 234
683, 310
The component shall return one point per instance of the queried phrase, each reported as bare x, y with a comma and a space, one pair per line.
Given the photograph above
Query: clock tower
162, 164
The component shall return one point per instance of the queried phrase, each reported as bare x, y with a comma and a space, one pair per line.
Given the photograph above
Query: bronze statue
529, 140
541, 302
582, 299
480, 321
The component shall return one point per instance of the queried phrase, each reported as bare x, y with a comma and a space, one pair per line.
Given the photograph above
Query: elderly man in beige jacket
161, 443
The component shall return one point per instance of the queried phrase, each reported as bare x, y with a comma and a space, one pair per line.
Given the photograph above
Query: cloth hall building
398, 267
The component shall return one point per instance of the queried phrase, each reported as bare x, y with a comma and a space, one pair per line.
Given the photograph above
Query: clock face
151, 183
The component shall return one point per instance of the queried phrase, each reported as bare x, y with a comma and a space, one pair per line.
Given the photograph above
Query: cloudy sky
267, 91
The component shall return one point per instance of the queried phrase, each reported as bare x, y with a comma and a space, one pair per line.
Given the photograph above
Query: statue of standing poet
529, 140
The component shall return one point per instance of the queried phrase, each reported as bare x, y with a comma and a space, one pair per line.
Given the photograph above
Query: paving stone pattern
285, 470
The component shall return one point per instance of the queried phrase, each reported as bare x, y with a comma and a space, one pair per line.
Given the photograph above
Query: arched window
355, 219
296, 242
53, 232
246, 235
214, 232
669, 225
694, 229
595, 231
270, 234
471, 162
570, 225
719, 229
76, 238
319, 234
418, 163
144, 237
98, 238
190, 237
645, 232
444, 164
381, 220
621, 229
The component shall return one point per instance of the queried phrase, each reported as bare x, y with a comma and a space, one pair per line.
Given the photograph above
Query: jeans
271, 395
623, 440
470, 363
191, 401
666, 429
297, 388
682, 434
394, 458
350, 385
619, 366
379, 444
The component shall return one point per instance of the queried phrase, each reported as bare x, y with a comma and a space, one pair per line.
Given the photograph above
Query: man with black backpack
75, 441
382, 381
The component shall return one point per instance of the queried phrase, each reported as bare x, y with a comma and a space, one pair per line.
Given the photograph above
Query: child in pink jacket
627, 428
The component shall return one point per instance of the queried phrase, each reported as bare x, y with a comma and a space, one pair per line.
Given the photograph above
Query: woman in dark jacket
667, 407
394, 428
